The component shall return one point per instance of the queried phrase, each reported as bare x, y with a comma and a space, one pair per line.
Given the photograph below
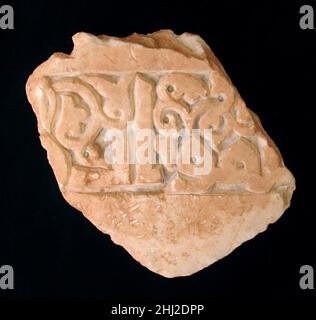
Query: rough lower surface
169, 219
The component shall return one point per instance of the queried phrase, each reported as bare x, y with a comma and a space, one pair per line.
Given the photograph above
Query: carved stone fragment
169, 218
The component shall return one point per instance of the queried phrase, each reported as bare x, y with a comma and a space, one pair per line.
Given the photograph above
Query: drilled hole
220, 98
170, 88
165, 119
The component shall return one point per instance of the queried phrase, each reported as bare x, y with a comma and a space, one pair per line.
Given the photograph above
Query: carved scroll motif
77, 111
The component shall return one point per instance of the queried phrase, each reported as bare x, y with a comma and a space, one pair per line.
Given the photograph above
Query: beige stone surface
172, 221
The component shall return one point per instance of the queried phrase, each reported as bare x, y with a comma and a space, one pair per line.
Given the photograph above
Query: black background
57, 254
